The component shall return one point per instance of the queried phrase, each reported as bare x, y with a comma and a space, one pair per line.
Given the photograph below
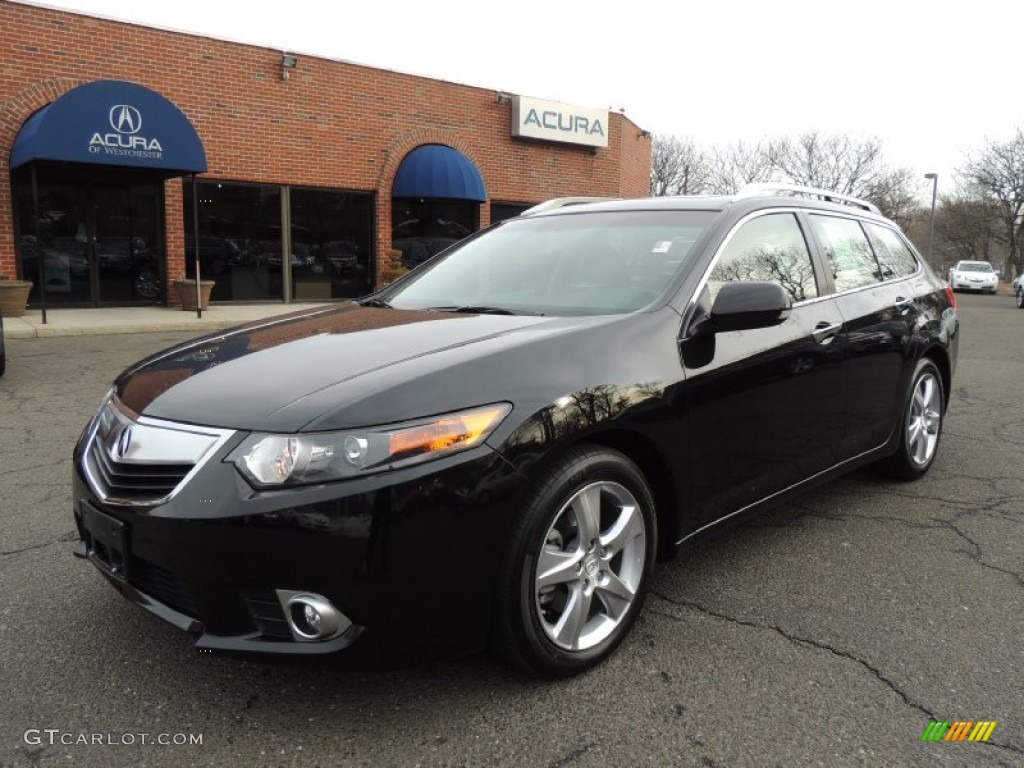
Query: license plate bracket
106, 542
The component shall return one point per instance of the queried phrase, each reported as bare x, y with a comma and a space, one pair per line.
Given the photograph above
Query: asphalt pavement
829, 631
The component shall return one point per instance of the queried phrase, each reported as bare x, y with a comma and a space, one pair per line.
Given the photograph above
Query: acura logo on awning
125, 118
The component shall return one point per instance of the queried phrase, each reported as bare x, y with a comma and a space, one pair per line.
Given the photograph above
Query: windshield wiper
470, 309
375, 303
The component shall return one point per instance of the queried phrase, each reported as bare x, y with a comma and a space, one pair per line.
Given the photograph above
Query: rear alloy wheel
922, 425
1020, 298
577, 571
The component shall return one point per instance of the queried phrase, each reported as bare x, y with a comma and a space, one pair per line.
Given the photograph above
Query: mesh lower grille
162, 585
267, 613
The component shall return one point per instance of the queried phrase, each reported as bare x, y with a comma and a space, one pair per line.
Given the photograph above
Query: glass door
124, 239
98, 235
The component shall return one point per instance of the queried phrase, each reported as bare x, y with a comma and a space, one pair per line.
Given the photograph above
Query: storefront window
331, 244
421, 228
239, 240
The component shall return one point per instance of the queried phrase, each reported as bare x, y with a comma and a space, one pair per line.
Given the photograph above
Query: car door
878, 307
765, 406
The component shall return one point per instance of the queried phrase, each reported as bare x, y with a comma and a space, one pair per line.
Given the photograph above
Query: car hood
285, 373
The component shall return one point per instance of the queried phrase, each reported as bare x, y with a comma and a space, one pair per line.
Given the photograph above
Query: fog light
311, 616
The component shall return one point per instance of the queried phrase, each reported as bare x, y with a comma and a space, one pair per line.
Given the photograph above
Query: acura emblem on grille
124, 441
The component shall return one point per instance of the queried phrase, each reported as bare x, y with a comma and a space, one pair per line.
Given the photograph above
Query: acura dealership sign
555, 121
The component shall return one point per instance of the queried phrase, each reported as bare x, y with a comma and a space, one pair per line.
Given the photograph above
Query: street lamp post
931, 219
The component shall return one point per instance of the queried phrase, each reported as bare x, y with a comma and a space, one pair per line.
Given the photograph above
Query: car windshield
974, 266
572, 264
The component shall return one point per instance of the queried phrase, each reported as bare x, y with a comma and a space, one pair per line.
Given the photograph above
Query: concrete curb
87, 322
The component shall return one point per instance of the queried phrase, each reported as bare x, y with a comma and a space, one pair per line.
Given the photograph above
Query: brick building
115, 138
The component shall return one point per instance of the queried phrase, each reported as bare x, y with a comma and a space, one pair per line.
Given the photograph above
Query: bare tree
678, 167
997, 173
738, 164
833, 162
892, 190
967, 226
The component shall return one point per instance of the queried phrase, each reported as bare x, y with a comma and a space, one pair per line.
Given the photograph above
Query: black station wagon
495, 449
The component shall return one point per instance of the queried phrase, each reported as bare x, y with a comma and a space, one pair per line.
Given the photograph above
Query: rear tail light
951, 296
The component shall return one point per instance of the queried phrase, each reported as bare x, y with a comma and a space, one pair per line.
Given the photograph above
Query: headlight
317, 457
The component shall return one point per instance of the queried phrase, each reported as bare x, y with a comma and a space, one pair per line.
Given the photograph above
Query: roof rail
562, 202
757, 190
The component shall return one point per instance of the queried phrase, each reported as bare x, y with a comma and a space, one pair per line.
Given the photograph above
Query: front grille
134, 460
266, 611
135, 482
162, 585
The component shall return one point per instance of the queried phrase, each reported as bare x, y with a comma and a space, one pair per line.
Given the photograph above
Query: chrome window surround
152, 442
821, 296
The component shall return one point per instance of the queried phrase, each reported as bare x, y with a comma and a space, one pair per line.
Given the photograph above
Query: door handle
903, 304
825, 331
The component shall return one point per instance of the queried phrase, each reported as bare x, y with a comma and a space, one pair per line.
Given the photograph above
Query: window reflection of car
418, 240
73, 250
57, 265
215, 253
342, 255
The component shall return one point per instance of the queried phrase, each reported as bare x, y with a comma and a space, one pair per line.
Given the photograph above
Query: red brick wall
332, 124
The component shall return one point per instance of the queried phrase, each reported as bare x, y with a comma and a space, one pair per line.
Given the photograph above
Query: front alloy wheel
590, 566
1020, 298
575, 575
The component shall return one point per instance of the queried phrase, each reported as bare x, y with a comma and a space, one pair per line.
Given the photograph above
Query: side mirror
747, 305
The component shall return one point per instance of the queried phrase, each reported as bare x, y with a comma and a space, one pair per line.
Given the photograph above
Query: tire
1020, 298
920, 425
573, 617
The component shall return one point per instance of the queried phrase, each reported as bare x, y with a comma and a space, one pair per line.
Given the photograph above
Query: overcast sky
932, 80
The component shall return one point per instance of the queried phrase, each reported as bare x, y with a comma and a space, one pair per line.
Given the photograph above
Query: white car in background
973, 276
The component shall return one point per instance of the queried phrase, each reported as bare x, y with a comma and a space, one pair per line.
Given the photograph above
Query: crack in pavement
810, 642
795, 639
572, 756
64, 538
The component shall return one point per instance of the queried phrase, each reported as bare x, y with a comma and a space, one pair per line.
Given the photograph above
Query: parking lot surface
828, 631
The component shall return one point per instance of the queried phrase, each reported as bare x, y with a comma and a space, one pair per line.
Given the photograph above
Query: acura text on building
554, 121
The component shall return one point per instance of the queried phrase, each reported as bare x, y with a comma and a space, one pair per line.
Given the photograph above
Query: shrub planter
187, 293
14, 296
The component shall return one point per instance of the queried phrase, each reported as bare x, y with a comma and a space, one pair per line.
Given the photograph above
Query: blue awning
434, 170
112, 123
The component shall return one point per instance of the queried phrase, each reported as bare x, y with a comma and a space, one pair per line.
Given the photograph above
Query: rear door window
848, 251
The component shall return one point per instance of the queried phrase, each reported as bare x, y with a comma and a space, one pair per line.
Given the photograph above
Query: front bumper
969, 285
409, 556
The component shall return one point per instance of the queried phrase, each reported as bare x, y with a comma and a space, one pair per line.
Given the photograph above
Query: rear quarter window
894, 255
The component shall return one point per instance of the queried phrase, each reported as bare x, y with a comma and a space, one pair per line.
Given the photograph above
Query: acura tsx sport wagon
495, 449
